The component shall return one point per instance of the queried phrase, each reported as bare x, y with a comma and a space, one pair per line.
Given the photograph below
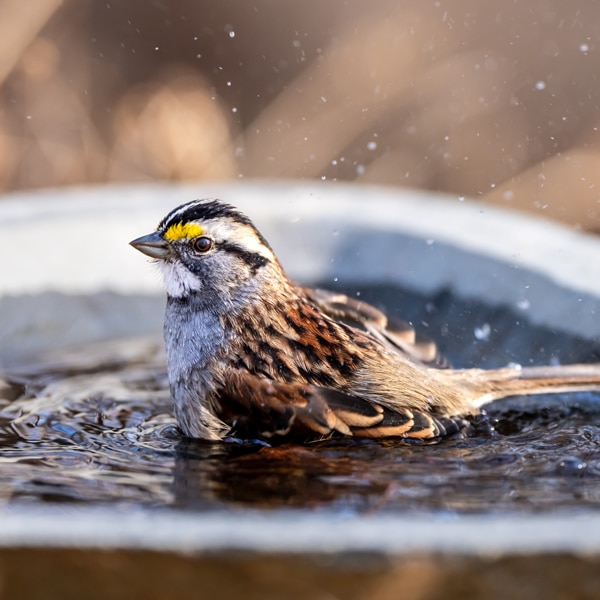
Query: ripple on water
97, 427
111, 438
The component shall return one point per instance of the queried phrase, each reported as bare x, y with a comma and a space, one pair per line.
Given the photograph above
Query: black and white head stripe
203, 210
232, 230
207, 209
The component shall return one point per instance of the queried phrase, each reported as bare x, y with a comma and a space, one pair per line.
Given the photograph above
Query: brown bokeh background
482, 98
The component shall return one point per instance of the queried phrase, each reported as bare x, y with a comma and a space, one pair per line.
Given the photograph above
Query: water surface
96, 426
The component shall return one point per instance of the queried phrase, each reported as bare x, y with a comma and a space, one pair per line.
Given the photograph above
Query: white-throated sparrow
251, 354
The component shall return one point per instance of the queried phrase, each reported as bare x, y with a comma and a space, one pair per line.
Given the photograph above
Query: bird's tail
483, 386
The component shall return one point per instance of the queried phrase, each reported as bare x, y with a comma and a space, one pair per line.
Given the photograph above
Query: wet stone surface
95, 426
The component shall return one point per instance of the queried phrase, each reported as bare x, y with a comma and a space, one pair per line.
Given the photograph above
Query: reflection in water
547, 462
97, 428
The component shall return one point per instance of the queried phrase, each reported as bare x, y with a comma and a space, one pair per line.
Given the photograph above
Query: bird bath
98, 484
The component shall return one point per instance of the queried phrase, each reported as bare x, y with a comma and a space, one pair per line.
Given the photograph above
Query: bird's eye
202, 244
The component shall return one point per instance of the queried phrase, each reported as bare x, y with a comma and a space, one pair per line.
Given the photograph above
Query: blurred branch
20, 22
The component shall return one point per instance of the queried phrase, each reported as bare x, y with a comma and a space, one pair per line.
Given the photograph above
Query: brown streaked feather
340, 306
364, 381
257, 410
262, 407
298, 343
400, 330
394, 424
273, 408
419, 425
354, 411
394, 333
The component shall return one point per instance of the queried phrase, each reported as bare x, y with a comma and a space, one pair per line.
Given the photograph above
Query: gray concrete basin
69, 278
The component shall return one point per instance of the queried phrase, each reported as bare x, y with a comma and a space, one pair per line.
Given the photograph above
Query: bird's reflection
209, 475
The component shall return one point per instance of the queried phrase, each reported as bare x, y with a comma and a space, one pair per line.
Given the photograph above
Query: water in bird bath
95, 426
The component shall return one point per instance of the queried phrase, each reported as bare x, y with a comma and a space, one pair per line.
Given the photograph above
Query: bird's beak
152, 245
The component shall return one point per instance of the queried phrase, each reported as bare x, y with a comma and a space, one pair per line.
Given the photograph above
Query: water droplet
482, 333
540, 85
372, 145
584, 47
572, 465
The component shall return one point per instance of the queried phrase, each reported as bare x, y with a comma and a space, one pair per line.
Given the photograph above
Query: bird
252, 355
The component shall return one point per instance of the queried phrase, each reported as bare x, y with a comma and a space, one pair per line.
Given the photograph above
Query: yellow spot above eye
178, 231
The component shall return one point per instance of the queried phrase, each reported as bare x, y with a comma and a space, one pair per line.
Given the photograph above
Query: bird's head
209, 248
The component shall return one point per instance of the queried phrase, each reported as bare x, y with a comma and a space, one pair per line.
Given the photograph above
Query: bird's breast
193, 338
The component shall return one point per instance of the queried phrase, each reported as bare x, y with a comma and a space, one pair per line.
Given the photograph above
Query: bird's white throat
179, 281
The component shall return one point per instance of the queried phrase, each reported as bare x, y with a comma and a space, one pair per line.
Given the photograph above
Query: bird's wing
395, 334
256, 406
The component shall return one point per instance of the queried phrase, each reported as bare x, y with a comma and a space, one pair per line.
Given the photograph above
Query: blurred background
482, 98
